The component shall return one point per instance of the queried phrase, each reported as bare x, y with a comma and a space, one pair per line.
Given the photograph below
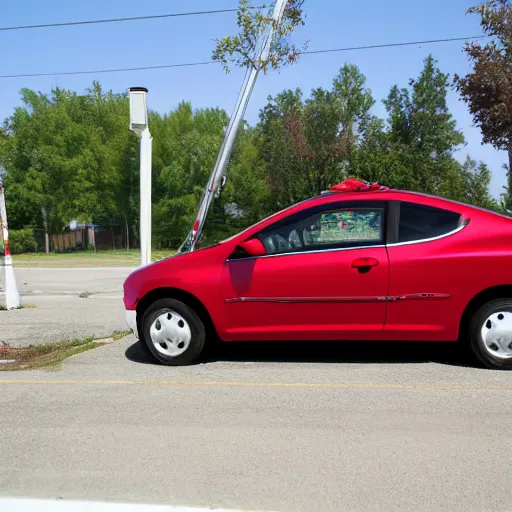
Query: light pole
217, 177
12, 297
139, 124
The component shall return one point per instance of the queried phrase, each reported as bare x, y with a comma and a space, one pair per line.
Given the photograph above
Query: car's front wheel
490, 334
173, 332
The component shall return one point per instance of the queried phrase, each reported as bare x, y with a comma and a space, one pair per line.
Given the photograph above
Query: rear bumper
131, 320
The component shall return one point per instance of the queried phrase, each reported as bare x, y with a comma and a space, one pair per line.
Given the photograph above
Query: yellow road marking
251, 384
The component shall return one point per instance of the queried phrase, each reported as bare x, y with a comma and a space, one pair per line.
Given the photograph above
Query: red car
372, 265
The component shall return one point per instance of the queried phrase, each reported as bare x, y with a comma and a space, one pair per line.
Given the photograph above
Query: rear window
420, 222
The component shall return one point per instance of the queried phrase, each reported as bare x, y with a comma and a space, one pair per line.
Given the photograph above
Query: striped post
12, 297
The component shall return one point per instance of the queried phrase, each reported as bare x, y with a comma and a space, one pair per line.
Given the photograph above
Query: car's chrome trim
340, 300
433, 239
337, 249
299, 300
419, 296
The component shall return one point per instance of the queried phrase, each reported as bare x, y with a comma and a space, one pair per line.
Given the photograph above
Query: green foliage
73, 157
240, 50
422, 132
172, 219
487, 89
472, 185
185, 148
65, 154
22, 241
311, 144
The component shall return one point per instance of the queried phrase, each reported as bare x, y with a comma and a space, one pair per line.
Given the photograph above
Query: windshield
260, 221
204, 242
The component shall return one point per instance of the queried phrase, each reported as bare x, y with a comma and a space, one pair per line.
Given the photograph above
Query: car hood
171, 264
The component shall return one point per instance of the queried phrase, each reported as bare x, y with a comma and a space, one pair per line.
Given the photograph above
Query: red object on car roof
355, 185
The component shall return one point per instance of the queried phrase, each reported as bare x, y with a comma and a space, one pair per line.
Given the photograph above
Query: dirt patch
43, 356
50, 355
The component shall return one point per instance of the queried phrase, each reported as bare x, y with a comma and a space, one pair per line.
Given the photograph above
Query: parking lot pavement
70, 281
263, 427
60, 314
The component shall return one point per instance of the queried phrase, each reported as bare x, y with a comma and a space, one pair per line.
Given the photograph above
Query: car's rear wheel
173, 332
490, 334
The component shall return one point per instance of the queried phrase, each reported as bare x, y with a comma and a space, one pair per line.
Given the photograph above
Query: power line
192, 64
391, 45
116, 20
117, 70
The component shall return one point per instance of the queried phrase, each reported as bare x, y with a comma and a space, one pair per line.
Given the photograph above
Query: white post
146, 146
12, 297
139, 124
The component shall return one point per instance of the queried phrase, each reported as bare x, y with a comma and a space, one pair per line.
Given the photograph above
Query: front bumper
131, 320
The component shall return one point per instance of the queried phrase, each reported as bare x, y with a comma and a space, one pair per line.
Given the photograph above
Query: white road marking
29, 505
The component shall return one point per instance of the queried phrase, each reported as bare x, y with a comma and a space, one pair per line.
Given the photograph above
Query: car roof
355, 195
402, 195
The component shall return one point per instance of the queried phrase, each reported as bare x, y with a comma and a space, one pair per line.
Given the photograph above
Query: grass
23, 306
50, 355
119, 258
117, 335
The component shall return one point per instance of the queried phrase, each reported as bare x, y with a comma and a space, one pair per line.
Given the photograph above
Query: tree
311, 144
119, 151
239, 50
478, 178
65, 156
185, 147
488, 88
422, 131
186, 142
36, 170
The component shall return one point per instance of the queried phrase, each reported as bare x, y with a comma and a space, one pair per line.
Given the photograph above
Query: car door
426, 275
325, 276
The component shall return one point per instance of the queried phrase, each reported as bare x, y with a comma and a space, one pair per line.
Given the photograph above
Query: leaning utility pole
219, 171
139, 124
12, 297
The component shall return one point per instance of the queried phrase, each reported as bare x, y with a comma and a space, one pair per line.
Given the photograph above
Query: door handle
364, 265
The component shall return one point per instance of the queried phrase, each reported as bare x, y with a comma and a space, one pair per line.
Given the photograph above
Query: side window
420, 222
330, 229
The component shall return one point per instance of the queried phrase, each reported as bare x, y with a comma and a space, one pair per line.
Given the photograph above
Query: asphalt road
60, 314
263, 427
70, 281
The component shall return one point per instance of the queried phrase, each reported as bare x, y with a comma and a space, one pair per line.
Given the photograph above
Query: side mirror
253, 247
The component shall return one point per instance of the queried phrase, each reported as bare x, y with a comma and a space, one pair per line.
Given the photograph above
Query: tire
173, 333
490, 334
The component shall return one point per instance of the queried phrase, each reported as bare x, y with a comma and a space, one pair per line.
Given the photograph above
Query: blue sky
330, 24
